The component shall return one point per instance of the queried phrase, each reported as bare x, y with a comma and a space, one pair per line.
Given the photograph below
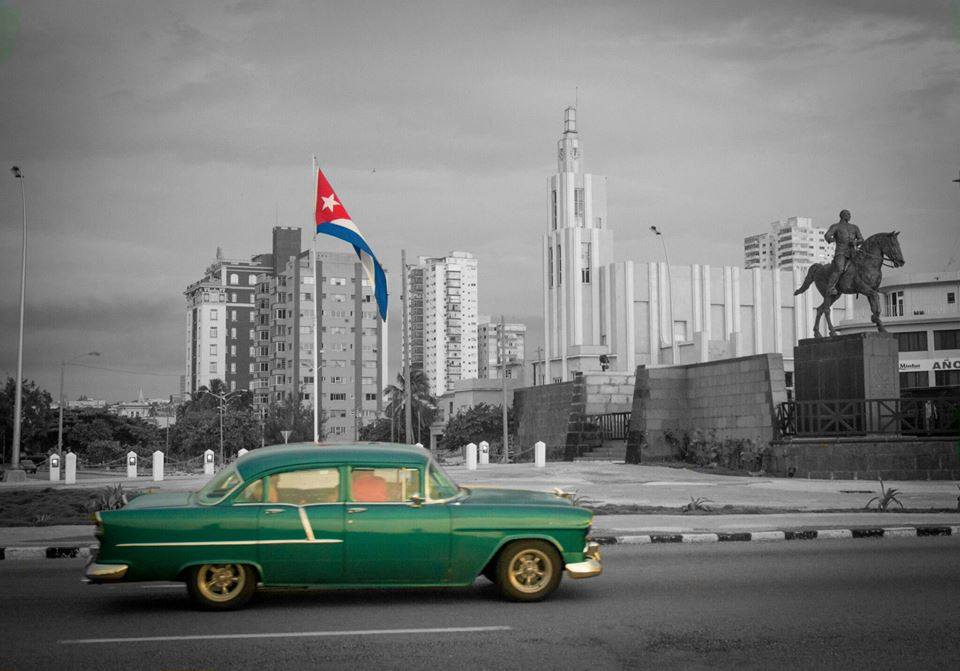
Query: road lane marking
291, 634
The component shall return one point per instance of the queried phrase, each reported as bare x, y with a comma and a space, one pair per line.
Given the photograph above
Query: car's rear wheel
528, 570
221, 586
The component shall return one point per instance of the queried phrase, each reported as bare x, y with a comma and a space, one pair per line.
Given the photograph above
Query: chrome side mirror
416, 500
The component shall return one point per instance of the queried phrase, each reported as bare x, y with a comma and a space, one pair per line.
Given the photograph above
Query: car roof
306, 454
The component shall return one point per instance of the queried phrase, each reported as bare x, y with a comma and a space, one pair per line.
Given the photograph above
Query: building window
370, 397
912, 341
559, 265
213, 366
338, 281
946, 339
213, 331
550, 266
585, 262
578, 205
894, 304
233, 367
338, 397
947, 378
214, 316
914, 379
233, 333
951, 297
233, 313
553, 209
213, 350
233, 350
234, 278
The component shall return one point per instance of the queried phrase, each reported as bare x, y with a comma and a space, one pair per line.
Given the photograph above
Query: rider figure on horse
847, 238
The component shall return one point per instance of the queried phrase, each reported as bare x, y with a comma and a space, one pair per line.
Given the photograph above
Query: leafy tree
422, 404
198, 422
480, 422
290, 415
379, 430
36, 418
92, 433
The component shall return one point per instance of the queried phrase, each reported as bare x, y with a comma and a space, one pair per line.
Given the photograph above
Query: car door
301, 527
389, 538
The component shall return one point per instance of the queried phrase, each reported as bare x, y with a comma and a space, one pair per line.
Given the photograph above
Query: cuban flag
332, 219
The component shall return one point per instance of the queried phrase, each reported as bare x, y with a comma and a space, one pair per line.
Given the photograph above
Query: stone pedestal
859, 366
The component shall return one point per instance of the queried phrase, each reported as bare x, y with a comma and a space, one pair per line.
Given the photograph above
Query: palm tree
422, 404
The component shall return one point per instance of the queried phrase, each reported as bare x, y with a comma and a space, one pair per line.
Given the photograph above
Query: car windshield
222, 484
440, 485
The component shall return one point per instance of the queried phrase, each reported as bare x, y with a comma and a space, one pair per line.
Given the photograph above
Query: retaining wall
866, 458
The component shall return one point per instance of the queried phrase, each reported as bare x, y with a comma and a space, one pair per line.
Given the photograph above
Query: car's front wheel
528, 570
221, 586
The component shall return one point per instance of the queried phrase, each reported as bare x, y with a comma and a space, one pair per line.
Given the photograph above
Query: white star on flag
329, 202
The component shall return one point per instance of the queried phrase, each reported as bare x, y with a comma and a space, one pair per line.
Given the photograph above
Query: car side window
252, 493
383, 485
315, 485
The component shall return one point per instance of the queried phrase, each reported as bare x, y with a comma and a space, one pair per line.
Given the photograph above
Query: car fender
186, 566
521, 537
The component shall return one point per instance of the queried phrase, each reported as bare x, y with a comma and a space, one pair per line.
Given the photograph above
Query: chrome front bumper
590, 566
105, 572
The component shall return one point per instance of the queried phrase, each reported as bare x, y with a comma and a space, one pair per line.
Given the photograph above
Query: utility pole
407, 409
63, 365
18, 396
503, 386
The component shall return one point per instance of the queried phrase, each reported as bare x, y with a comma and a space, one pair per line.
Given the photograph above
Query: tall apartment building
443, 319
794, 243
489, 337
221, 315
351, 339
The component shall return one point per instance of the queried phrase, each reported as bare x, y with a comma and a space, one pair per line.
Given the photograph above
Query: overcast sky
152, 132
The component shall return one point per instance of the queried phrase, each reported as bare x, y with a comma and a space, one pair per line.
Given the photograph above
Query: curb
82, 552
789, 535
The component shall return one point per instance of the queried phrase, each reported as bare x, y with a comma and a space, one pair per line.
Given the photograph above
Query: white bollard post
540, 454
471, 457
131, 465
242, 451
208, 462
70, 474
157, 466
420, 445
54, 468
484, 453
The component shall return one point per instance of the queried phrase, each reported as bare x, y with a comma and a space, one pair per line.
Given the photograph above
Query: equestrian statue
856, 269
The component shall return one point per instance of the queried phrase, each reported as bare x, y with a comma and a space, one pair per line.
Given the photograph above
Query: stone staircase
610, 450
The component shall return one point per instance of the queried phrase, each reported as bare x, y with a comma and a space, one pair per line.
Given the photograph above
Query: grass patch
635, 509
48, 506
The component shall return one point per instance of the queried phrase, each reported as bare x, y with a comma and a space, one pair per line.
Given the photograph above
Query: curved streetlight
63, 365
18, 395
673, 337
223, 402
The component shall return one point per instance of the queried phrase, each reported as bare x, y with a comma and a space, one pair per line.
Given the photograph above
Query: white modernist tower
577, 244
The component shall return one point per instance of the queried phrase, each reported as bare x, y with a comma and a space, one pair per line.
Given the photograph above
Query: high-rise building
794, 243
221, 315
491, 336
443, 319
351, 339
578, 241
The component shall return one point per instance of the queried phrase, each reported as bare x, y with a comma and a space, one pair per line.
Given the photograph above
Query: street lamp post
18, 394
63, 365
223, 403
673, 337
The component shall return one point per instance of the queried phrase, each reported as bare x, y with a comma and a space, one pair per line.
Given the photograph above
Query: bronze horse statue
862, 276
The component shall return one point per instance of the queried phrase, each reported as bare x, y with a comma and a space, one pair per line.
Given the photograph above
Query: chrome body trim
278, 541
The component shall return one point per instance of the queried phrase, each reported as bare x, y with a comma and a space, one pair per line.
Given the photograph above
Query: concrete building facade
792, 243
922, 311
336, 298
491, 335
443, 319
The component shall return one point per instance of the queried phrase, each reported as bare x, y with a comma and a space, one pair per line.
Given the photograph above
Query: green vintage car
343, 517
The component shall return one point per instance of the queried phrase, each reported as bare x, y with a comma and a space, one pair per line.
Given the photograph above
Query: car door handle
274, 511
356, 510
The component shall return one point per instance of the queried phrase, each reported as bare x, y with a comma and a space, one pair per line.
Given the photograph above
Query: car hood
488, 495
163, 500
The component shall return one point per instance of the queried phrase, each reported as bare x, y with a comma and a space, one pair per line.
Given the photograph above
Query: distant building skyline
490, 333
791, 243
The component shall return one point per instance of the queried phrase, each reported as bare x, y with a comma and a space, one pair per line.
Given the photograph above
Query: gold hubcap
530, 571
221, 582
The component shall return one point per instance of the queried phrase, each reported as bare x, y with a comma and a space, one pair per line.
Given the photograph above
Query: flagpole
407, 409
316, 313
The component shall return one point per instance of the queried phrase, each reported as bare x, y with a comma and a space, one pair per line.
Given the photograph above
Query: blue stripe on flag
359, 244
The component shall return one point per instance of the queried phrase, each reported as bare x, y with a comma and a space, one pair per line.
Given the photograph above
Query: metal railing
889, 416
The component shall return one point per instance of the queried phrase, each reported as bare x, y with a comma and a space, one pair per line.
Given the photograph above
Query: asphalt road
890, 603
